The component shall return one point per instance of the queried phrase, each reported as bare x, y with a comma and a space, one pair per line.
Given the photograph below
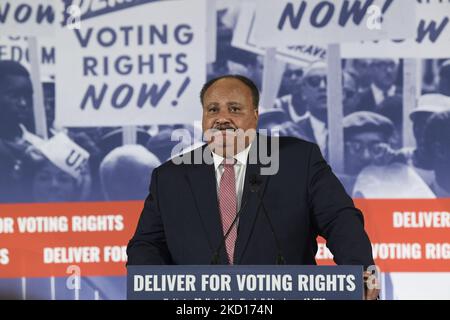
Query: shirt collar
292, 113
378, 93
317, 125
241, 157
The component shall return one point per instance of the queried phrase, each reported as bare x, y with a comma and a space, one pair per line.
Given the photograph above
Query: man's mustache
218, 130
224, 127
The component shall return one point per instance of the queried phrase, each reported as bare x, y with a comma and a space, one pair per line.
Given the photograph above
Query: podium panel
245, 282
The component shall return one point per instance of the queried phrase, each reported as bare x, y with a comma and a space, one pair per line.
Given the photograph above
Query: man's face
421, 158
419, 122
292, 80
315, 92
16, 100
227, 107
362, 149
350, 98
362, 67
52, 184
384, 73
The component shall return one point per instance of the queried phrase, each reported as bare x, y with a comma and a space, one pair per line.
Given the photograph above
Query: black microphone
255, 184
216, 254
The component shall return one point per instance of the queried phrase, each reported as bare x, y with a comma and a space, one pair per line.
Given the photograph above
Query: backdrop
95, 94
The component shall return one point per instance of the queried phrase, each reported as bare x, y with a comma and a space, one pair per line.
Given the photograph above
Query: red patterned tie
227, 204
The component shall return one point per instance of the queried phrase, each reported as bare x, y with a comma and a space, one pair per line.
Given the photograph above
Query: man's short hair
249, 83
125, 172
12, 68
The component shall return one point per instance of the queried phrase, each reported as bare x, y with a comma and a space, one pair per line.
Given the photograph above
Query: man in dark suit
312, 126
383, 86
191, 206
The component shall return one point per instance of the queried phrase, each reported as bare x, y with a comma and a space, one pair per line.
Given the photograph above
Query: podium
245, 282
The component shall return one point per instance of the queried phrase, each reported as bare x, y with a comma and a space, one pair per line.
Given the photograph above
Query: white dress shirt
320, 133
378, 94
285, 103
239, 172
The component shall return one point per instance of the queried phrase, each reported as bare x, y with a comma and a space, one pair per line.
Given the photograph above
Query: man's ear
256, 113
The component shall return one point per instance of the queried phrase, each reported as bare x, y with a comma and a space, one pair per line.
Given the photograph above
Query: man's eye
212, 110
234, 109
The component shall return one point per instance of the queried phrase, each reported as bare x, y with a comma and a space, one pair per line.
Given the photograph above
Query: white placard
432, 38
283, 22
244, 38
29, 17
140, 65
65, 154
16, 48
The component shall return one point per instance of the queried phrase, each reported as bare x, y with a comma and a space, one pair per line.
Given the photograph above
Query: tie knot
228, 162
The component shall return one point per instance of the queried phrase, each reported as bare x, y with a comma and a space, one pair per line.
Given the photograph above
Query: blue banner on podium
280, 282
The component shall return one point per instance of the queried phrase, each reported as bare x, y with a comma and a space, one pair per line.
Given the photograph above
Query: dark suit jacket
180, 222
366, 101
303, 130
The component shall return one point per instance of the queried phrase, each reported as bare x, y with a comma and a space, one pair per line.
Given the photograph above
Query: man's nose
366, 155
22, 102
222, 121
54, 182
390, 68
223, 116
323, 84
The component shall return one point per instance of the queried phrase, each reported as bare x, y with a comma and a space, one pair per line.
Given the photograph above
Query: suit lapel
305, 130
248, 215
202, 181
309, 132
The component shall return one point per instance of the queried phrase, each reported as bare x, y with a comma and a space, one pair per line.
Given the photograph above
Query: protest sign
146, 70
244, 38
65, 154
29, 17
283, 23
16, 48
432, 39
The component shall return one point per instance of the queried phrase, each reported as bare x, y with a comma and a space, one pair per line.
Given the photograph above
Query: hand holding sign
66, 155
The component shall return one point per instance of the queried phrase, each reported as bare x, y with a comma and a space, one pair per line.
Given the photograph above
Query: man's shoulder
195, 155
201, 156
304, 123
294, 141
289, 144
366, 98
